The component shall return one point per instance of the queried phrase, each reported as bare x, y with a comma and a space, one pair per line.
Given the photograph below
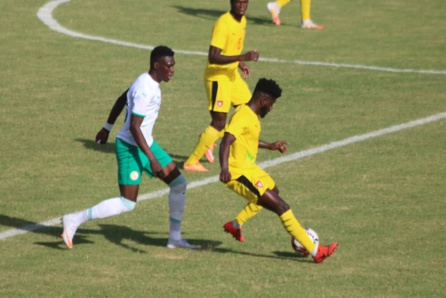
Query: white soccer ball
299, 248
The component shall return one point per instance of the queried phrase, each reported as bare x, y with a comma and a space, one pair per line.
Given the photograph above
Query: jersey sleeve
238, 124
219, 35
141, 99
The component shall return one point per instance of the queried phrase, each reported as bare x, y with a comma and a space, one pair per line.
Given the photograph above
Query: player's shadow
92, 145
212, 14
23, 225
281, 255
26, 226
122, 236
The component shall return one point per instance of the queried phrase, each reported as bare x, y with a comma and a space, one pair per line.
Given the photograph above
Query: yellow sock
249, 211
207, 139
282, 3
295, 229
305, 6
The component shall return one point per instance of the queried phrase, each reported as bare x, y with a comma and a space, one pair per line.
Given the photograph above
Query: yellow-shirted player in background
224, 85
241, 174
305, 7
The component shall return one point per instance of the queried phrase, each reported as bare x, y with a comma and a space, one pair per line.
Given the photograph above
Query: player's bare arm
215, 56
103, 133
225, 146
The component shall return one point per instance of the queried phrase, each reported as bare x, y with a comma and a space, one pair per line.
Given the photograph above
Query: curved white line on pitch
45, 15
265, 164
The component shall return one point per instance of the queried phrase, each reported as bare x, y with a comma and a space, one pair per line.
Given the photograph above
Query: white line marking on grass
265, 164
45, 14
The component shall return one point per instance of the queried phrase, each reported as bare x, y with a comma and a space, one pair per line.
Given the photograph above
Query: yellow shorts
252, 184
222, 94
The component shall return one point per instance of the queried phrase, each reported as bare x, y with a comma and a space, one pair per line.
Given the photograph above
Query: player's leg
177, 197
107, 208
218, 104
235, 226
250, 210
177, 201
273, 202
307, 23
206, 143
129, 178
249, 185
274, 9
247, 212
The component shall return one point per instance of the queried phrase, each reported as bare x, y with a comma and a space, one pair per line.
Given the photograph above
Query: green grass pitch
376, 64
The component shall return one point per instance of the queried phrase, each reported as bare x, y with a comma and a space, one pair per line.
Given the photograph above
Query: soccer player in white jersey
138, 152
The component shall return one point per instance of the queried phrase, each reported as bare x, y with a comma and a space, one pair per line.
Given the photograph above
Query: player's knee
179, 184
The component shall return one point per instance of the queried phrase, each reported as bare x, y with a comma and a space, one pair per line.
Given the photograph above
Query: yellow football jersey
245, 127
228, 35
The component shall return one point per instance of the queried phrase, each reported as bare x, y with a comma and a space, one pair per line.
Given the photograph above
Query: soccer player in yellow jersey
305, 6
241, 174
223, 83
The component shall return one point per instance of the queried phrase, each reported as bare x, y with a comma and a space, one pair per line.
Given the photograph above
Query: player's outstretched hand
254, 55
250, 56
280, 146
102, 136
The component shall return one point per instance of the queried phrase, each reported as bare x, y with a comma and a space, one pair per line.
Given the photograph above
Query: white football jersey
143, 100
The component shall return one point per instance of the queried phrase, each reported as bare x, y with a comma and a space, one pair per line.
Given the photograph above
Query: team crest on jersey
134, 175
219, 103
259, 184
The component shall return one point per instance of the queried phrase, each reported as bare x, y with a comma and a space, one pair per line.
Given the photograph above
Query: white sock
314, 252
274, 6
110, 207
78, 218
177, 201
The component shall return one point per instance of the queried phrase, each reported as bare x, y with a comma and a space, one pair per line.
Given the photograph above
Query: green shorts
132, 161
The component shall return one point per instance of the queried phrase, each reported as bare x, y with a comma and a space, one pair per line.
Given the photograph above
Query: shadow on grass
280, 255
92, 145
119, 235
122, 236
212, 14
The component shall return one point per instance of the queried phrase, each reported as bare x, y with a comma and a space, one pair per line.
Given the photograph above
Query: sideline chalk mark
265, 164
45, 14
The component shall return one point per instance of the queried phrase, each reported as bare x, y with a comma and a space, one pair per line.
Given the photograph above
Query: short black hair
269, 87
160, 51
